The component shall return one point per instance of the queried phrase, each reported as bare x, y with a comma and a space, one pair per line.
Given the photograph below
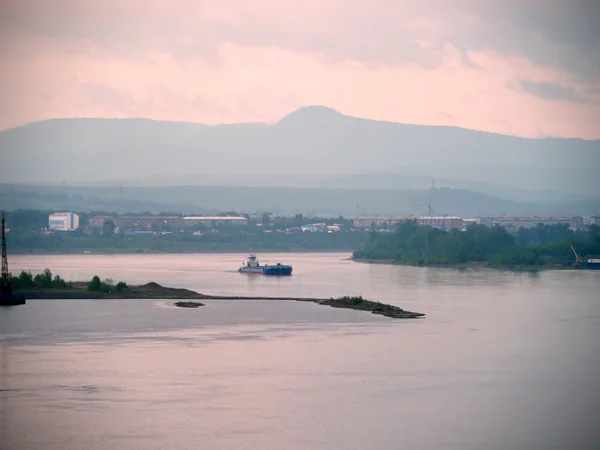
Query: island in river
43, 286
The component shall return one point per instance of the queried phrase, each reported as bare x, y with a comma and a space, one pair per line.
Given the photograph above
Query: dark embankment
44, 286
80, 291
346, 302
374, 307
189, 304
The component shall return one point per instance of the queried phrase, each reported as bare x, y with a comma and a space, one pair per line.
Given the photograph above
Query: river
503, 360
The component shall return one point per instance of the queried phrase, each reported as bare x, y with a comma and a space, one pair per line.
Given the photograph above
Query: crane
578, 259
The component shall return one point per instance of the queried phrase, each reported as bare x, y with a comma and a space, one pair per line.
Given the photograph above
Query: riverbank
79, 291
469, 265
128, 251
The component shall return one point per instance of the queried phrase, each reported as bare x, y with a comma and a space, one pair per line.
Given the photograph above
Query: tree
266, 219
59, 283
44, 280
25, 280
95, 284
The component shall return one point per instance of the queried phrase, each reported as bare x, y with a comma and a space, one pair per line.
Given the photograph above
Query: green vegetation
44, 286
41, 281
45, 281
492, 246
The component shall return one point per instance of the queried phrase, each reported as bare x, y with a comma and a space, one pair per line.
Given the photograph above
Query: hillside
313, 140
331, 202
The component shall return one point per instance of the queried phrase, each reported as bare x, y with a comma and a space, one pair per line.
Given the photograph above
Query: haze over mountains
314, 147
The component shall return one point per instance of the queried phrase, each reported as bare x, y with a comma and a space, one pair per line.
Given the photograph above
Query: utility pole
432, 199
4, 257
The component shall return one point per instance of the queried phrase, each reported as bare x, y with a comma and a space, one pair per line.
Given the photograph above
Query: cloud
102, 95
212, 62
549, 91
391, 32
547, 32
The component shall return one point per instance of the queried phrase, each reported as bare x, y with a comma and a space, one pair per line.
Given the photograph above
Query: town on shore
501, 241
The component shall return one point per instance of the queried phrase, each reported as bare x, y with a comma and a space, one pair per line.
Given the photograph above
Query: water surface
503, 360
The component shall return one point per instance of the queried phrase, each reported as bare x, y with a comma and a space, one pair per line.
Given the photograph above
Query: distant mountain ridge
318, 201
318, 141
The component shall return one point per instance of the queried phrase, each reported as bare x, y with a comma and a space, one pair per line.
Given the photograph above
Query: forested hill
419, 245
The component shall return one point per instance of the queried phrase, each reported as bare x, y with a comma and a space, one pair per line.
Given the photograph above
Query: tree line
412, 243
45, 280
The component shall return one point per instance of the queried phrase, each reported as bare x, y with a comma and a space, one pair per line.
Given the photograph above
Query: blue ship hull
279, 270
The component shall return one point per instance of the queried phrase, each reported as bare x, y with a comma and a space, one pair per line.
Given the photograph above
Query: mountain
319, 201
314, 146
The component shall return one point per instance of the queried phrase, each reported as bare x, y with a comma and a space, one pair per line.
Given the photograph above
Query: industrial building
574, 223
63, 221
98, 221
367, 221
210, 220
146, 222
444, 222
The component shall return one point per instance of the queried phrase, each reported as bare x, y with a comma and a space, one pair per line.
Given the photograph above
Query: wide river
502, 360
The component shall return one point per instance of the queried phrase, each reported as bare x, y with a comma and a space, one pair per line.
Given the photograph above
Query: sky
528, 68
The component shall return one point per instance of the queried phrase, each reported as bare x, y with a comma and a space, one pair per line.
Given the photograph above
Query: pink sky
504, 67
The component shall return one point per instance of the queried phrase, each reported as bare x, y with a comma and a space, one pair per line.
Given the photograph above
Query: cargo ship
251, 265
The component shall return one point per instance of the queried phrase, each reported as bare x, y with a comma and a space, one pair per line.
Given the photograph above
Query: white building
63, 221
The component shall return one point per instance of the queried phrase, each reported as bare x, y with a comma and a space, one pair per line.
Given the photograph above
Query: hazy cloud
104, 95
243, 61
548, 32
549, 91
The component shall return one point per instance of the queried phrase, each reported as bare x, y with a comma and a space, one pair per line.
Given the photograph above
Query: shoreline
153, 290
108, 252
469, 265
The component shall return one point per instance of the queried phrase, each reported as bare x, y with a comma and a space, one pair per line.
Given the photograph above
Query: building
467, 222
367, 221
314, 227
216, 220
98, 221
63, 221
147, 222
575, 222
444, 222
594, 220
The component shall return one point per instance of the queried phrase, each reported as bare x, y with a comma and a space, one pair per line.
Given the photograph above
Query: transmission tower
4, 257
432, 199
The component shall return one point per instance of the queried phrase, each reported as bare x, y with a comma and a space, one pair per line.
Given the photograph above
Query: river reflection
504, 360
